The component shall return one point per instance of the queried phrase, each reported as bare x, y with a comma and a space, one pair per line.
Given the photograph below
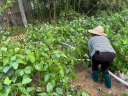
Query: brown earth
85, 81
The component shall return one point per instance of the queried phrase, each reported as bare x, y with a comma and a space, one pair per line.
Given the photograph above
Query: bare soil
84, 79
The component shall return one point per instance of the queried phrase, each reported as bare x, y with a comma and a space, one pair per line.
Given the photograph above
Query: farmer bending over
101, 52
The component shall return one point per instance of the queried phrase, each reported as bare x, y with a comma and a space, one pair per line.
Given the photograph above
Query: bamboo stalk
79, 7
66, 8
74, 5
67, 4
50, 14
54, 10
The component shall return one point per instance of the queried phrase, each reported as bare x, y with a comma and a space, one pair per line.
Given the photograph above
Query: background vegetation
38, 64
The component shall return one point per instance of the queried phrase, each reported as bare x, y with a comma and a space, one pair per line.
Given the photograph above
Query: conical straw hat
99, 30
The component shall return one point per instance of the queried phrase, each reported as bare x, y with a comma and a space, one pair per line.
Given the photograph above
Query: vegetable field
38, 64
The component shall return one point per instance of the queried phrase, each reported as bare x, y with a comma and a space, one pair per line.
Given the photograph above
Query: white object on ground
117, 78
73, 48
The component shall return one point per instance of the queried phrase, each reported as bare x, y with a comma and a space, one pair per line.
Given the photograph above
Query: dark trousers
103, 58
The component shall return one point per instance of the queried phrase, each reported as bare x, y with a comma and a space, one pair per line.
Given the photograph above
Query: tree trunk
54, 10
11, 16
22, 13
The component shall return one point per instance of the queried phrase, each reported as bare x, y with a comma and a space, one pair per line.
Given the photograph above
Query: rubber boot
95, 76
107, 80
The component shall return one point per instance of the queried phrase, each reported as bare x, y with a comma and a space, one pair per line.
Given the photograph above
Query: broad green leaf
0, 54
124, 42
66, 70
62, 73
13, 58
6, 68
4, 49
46, 49
29, 89
7, 81
55, 61
32, 59
23, 90
28, 57
85, 94
21, 72
1, 94
53, 83
1, 68
14, 93
14, 78
45, 68
43, 94
57, 55
27, 51
49, 87
45, 55
65, 79
1, 86
27, 70
15, 65
17, 49
125, 71
5, 61
20, 56
7, 91
40, 89
20, 61
63, 55
126, 53
59, 91
79, 93
46, 77
54, 94
10, 72
39, 67
37, 55
26, 79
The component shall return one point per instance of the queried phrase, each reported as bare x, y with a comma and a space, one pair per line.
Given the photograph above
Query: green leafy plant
38, 63
21, 61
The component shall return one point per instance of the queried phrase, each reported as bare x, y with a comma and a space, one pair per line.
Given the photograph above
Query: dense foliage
5, 4
52, 8
38, 64
28, 68
115, 26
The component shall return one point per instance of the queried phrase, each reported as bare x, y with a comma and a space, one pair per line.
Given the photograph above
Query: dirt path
85, 81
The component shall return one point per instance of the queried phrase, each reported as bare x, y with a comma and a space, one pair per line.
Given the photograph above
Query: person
101, 52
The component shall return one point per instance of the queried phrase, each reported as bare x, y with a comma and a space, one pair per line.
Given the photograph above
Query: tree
4, 4
6, 13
